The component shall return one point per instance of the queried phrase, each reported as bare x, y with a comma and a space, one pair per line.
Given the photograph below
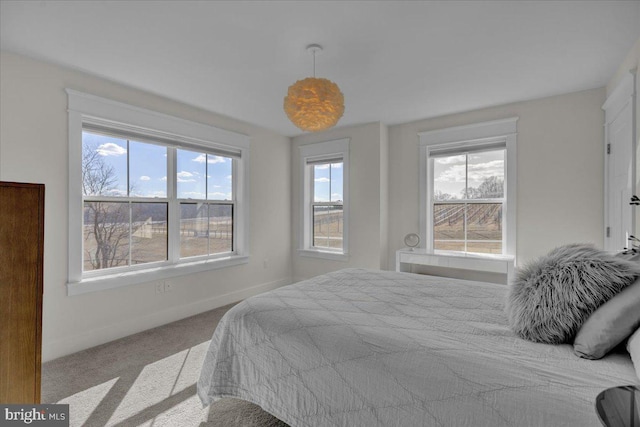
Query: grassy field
483, 231
328, 229
149, 241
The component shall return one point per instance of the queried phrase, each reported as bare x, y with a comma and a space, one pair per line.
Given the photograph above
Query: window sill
333, 256
112, 281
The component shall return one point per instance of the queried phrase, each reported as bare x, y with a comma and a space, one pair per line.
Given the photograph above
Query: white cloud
111, 149
322, 179
217, 159
220, 196
453, 174
145, 178
160, 193
200, 159
336, 196
450, 160
191, 195
229, 177
212, 159
185, 176
164, 178
478, 172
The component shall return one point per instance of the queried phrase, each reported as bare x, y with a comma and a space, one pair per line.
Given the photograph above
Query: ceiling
394, 61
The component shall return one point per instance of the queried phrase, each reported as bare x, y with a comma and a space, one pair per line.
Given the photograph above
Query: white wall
630, 62
33, 148
560, 171
367, 192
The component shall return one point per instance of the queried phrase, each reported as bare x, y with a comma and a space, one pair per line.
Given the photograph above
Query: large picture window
467, 192
151, 203
468, 200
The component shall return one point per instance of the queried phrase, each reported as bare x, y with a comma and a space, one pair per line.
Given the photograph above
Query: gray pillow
610, 324
633, 347
551, 297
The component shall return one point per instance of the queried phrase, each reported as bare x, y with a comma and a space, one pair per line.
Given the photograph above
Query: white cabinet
499, 264
620, 164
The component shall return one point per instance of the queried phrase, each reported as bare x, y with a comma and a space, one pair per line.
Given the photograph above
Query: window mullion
330, 190
206, 197
234, 211
173, 223
208, 228
130, 206
312, 216
466, 196
130, 228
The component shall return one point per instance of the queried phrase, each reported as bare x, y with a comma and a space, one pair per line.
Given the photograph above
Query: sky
327, 182
198, 174
449, 172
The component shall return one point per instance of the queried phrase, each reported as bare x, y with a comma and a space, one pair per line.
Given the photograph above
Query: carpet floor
147, 379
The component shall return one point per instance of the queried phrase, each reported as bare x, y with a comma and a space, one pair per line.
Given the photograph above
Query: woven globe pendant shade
314, 104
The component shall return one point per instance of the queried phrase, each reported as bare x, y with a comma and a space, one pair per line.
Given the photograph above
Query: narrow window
324, 229
327, 206
468, 200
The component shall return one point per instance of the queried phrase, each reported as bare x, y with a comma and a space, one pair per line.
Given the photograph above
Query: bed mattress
364, 348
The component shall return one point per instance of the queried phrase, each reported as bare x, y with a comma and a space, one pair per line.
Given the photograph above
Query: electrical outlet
168, 286
159, 287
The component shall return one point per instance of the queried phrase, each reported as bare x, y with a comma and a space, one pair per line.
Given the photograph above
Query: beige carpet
147, 379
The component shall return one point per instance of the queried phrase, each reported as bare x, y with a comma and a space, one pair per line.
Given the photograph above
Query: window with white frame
324, 220
149, 202
468, 205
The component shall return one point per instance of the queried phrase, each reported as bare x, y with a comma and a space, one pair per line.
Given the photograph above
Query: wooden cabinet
21, 279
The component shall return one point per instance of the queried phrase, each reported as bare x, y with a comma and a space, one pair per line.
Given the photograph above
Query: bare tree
106, 223
491, 187
439, 195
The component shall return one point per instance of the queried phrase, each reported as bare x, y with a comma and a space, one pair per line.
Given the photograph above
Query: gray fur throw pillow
552, 296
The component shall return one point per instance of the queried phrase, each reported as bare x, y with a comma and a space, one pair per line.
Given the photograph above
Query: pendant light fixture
314, 104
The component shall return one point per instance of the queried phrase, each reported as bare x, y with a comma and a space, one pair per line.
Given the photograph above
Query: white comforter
366, 348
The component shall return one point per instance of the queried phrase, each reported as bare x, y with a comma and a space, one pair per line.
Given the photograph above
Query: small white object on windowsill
412, 240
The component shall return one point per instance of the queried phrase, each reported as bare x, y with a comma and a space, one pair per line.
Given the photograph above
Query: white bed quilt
368, 348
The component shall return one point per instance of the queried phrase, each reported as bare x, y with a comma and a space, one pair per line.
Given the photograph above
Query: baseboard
102, 335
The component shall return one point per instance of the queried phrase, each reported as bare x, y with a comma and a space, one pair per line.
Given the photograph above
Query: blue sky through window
199, 175
328, 182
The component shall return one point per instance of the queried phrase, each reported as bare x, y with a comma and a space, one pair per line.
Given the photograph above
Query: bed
369, 348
